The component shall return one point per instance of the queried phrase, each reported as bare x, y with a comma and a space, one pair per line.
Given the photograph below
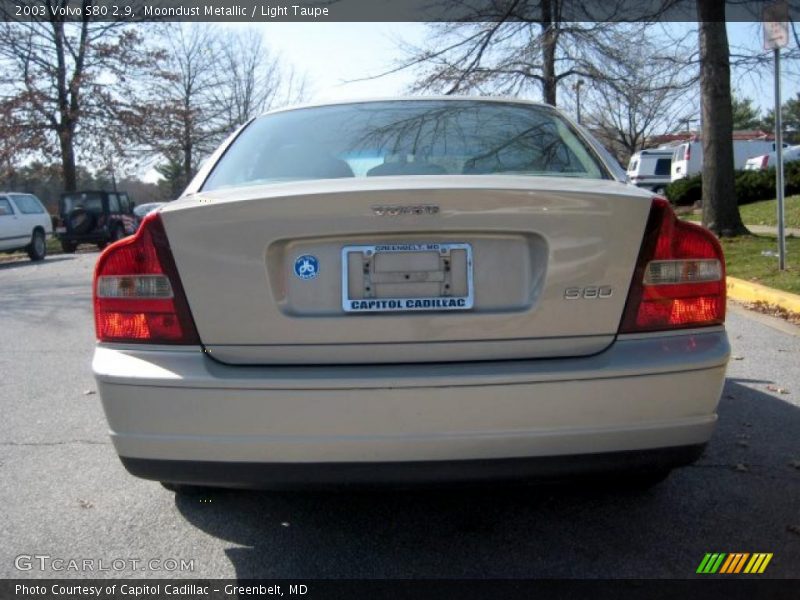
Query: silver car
410, 290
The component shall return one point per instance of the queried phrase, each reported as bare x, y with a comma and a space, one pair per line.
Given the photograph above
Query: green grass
744, 260
766, 213
54, 246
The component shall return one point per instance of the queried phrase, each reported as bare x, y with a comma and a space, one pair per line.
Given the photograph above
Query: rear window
405, 138
92, 202
5, 208
663, 166
27, 204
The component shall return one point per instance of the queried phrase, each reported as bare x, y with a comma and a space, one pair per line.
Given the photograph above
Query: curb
747, 291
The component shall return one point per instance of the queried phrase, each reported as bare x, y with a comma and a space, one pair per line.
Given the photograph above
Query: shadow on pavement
743, 495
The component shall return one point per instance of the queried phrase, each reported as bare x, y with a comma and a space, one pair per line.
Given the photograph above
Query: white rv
650, 169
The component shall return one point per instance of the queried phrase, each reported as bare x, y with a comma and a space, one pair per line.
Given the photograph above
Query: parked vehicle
765, 161
94, 217
24, 224
650, 169
687, 158
404, 290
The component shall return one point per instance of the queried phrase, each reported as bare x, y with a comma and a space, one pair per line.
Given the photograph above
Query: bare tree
187, 120
66, 84
211, 83
720, 210
257, 79
644, 93
514, 47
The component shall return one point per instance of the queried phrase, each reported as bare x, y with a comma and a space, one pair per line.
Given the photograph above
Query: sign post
776, 36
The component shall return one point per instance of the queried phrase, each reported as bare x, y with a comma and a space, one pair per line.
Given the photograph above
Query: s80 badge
306, 266
589, 292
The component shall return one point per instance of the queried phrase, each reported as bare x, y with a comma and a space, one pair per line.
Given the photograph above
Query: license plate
407, 277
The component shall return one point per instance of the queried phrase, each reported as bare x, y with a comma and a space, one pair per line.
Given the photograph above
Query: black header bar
265, 11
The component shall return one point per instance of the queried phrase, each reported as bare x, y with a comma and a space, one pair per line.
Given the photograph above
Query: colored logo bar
734, 563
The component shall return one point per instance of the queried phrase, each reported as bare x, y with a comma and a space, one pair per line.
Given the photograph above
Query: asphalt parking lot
65, 494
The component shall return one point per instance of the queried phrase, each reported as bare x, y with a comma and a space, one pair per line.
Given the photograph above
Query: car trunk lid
408, 269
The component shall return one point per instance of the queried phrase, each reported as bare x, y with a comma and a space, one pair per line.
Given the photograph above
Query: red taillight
679, 280
765, 161
687, 153
138, 296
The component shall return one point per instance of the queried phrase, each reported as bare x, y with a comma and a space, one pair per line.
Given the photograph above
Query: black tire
80, 220
37, 249
68, 247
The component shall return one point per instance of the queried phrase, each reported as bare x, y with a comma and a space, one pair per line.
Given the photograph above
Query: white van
24, 224
650, 169
687, 158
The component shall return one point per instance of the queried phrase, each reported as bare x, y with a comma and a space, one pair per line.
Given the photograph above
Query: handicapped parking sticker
306, 266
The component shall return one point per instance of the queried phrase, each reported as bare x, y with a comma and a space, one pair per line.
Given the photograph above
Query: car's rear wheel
68, 247
37, 249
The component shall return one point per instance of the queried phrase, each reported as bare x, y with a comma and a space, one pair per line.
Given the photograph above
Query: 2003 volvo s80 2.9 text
411, 290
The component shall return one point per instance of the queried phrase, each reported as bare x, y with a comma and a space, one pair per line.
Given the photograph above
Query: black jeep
94, 217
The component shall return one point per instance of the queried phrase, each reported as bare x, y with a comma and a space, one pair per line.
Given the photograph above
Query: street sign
776, 25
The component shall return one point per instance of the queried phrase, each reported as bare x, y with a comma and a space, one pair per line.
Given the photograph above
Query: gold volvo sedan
422, 290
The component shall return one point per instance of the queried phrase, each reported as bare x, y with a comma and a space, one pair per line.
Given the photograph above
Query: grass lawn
54, 246
765, 213
744, 260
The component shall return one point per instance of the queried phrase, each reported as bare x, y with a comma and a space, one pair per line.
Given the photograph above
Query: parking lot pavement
65, 495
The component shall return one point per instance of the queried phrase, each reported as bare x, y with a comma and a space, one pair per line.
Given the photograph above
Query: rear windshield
405, 138
92, 202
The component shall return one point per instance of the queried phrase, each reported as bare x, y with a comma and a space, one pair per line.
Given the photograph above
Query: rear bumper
368, 474
178, 415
